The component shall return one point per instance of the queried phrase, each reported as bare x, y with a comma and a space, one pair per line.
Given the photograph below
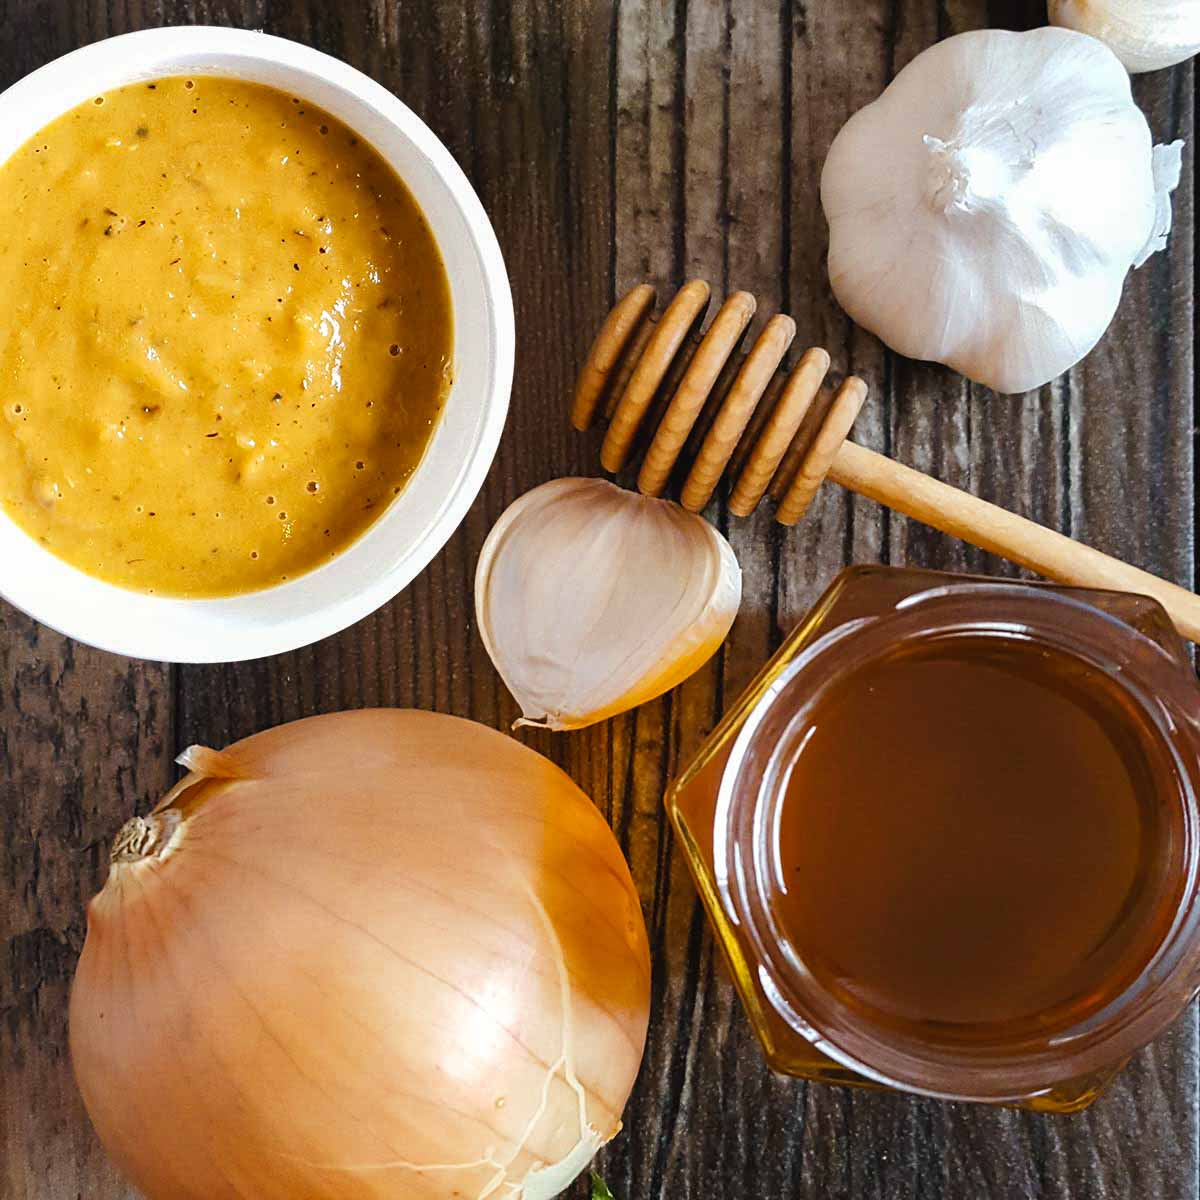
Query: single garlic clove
592, 600
1144, 34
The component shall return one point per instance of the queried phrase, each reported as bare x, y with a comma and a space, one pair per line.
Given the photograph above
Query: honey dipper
722, 411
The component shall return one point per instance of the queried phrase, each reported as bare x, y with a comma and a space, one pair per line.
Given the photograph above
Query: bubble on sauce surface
47, 491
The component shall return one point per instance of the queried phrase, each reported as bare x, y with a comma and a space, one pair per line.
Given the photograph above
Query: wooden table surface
611, 142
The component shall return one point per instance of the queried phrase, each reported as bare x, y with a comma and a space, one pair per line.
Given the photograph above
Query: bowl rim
146, 54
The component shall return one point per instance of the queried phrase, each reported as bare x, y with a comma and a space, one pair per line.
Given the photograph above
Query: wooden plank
84, 738
649, 172
839, 58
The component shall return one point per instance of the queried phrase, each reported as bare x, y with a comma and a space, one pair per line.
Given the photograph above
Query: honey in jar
948, 837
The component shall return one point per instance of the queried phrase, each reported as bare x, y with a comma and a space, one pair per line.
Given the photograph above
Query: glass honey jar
947, 839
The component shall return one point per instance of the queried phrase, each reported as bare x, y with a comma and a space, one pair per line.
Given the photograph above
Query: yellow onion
371, 954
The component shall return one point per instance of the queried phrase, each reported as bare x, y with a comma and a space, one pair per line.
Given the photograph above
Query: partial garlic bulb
592, 600
1144, 34
984, 211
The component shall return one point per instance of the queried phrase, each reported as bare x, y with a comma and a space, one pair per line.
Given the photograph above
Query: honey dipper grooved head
708, 404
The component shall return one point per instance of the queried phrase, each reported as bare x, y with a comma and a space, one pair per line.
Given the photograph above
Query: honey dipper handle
1002, 532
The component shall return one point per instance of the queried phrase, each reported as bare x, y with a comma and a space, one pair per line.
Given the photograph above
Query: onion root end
145, 837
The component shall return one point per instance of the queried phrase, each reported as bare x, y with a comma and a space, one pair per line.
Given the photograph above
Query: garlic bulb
984, 211
592, 600
1144, 34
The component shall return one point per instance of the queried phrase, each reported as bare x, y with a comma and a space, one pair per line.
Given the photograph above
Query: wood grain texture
611, 142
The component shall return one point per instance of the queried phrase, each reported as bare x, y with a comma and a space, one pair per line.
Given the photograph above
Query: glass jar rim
747, 804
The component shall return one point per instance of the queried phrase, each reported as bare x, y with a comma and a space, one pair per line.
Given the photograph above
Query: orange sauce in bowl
228, 336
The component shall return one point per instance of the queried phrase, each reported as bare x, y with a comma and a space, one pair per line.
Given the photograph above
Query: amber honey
970, 837
948, 838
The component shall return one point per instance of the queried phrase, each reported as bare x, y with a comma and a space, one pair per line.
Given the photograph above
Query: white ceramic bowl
420, 520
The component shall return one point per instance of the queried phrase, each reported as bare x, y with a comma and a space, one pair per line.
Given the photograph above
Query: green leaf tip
600, 1189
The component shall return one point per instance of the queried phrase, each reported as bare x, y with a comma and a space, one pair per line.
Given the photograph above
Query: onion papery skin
364, 955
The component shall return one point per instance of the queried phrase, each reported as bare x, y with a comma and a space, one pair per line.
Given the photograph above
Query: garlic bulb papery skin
1144, 34
592, 600
985, 210
378, 955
